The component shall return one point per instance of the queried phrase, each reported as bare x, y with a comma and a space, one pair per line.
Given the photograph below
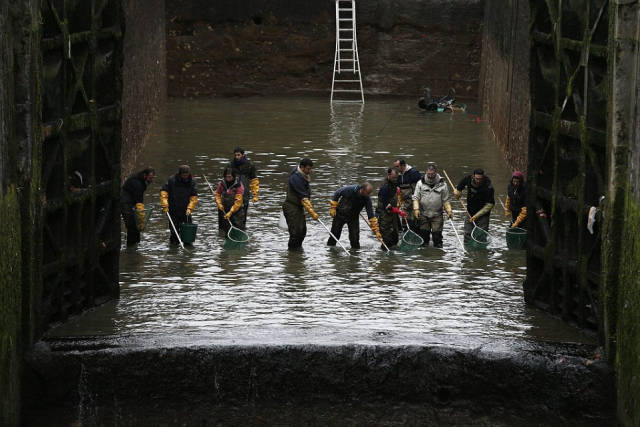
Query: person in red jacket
229, 198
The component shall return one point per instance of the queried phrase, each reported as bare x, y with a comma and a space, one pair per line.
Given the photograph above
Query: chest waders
296, 221
238, 219
346, 213
389, 222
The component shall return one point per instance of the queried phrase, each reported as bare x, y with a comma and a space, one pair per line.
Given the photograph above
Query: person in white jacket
430, 201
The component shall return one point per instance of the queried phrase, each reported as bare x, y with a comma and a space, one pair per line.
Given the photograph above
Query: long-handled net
410, 240
236, 238
480, 238
516, 237
142, 216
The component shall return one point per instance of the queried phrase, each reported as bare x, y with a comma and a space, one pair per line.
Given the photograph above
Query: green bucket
410, 241
516, 238
188, 232
236, 239
479, 239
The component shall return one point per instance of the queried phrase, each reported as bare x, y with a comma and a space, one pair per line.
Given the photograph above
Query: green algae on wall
628, 317
621, 256
10, 307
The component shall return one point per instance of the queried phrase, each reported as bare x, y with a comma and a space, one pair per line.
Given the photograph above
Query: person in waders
179, 197
298, 199
132, 203
346, 205
407, 181
430, 200
246, 173
229, 195
480, 201
389, 198
515, 207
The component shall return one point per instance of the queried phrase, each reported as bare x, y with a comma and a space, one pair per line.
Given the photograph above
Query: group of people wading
406, 199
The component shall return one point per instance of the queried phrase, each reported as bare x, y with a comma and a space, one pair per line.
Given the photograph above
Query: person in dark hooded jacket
480, 200
346, 204
516, 205
229, 195
179, 197
407, 181
387, 210
297, 200
132, 203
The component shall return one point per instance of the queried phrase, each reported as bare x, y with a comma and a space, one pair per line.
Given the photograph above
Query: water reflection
267, 293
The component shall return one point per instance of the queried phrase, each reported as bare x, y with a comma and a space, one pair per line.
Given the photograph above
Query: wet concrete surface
196, 381
270, 294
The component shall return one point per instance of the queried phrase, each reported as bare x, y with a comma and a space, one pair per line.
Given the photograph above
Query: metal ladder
346, 61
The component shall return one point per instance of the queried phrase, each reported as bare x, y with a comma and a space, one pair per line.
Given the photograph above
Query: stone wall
144, 75
504, 77
271, 47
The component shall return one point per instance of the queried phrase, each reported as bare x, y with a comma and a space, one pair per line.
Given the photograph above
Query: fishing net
142, 215
479, 239
516, 238
410, 241
236, 239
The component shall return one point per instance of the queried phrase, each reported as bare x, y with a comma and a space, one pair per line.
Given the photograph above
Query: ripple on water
266, 292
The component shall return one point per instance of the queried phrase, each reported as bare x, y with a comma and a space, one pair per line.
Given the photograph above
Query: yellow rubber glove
334, 208
473, 218
521, 217
375, 227
507, 207
237, 204
140, 216
193, 202
448, 210
399, 197
457, 193
416, 209
219, 201
307, 205
164, 201
254, 187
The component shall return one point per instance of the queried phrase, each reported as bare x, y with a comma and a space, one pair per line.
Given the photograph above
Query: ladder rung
344, 9
345, 29
346, 50
346, 60
347, 69
346, 81
345, 40
347, 90
345, 19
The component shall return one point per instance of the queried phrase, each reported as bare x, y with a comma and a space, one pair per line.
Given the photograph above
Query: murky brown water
265, 293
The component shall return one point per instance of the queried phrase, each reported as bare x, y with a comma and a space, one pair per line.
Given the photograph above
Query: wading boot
437, 239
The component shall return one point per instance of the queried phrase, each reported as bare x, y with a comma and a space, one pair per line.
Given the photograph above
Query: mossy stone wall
10, 307
19, 150
628, 336
621, 290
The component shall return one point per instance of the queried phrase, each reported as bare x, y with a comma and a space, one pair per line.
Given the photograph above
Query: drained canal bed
268, 294
265, 336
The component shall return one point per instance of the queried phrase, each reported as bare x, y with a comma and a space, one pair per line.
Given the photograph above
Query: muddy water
268, 294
